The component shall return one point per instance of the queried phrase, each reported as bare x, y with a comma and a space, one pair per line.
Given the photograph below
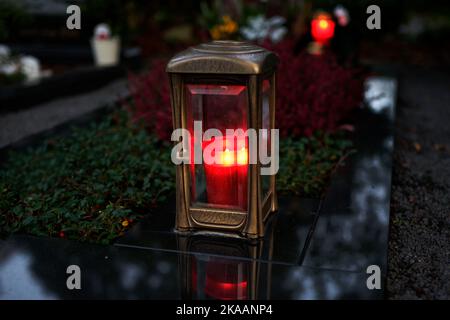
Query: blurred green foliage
12, 16
12, 79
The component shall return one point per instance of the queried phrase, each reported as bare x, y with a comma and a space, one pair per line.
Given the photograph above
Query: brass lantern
224, 85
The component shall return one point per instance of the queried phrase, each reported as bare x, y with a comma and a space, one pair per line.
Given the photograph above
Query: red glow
322, 28
226, 290
226, 280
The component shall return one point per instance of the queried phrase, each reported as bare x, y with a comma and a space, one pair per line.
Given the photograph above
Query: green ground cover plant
93, 184
89, 186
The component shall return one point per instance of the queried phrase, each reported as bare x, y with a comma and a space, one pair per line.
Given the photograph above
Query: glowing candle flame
227, 157
323, 24
242, 156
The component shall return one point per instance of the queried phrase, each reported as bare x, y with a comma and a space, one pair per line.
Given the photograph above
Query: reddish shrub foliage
313, 93
150, 93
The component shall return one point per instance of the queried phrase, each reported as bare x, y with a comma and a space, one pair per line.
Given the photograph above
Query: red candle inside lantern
322, 28
226, 178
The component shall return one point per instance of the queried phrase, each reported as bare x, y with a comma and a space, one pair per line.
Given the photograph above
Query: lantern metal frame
225, 62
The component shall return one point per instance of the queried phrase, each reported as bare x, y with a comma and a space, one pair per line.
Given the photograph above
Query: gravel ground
419, 245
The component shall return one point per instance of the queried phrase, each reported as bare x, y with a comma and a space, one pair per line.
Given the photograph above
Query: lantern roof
224, 57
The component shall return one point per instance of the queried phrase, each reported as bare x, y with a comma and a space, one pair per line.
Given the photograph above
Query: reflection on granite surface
352, 230
214, 276
313, 249
15, 269
107, 272
380, 96
35, 268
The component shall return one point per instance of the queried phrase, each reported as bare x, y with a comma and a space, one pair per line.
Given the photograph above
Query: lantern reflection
224, 279
222, 268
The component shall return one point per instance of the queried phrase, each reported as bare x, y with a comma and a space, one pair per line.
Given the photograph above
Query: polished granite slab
352, 229
35, 268
313, 249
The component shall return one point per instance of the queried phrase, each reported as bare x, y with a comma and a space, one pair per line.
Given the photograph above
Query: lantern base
224, 223
194, 232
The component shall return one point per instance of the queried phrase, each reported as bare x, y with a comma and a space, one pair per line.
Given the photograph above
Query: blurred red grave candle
226, 178
322, 28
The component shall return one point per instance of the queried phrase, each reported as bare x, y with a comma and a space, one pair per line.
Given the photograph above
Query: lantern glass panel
265, 179
224, 183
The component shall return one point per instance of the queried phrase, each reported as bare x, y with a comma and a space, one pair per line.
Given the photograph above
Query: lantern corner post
254, 226
182, 219
176, 97
274, 198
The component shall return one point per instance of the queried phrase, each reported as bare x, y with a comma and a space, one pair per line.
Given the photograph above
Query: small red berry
62, 234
